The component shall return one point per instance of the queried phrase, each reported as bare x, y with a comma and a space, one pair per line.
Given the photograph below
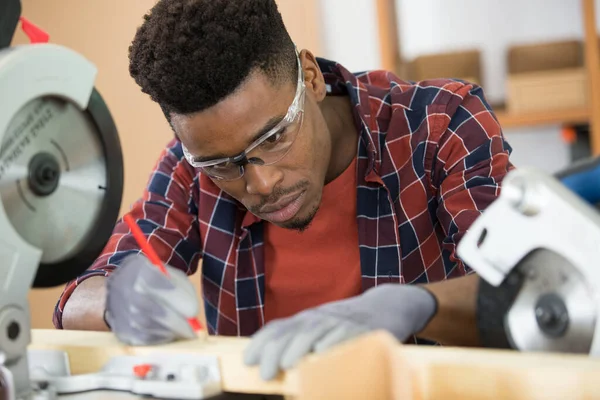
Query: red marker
153, 257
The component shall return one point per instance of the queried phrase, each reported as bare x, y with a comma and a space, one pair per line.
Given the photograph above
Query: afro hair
190, 54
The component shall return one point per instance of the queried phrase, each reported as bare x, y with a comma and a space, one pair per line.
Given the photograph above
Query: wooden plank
431, 373
374, 366
592, 63
554, 117
360, 369
387, 25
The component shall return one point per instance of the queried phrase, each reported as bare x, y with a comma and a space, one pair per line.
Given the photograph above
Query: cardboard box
548, 56
547, 90
546, 77
464, 65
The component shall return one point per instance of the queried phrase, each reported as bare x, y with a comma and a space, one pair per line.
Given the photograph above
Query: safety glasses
266, 150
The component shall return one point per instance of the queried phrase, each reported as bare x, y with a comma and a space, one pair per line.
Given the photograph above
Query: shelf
554, 117
391, 56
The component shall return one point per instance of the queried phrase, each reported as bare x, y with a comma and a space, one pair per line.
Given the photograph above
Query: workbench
374, 366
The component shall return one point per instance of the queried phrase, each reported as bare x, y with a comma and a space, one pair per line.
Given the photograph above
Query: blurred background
537, 61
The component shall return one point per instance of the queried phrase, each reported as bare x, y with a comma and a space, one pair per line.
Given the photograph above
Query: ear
313, 77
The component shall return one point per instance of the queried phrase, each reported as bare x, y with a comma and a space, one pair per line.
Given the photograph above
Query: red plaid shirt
431, 158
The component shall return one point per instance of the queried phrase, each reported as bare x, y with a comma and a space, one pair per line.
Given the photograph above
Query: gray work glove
402, 310
145, 307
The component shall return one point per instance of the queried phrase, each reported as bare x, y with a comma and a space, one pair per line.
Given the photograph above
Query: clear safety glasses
266, 150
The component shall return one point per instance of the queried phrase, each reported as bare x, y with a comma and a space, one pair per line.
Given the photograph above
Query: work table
374, 366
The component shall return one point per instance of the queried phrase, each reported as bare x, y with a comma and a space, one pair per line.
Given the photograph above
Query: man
301, 186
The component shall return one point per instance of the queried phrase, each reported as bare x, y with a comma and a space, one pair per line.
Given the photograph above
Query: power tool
536, 249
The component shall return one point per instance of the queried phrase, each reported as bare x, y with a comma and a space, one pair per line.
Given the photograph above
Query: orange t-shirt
319, 265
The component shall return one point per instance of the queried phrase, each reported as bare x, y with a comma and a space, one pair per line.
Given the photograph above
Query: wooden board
374, 366
427, 373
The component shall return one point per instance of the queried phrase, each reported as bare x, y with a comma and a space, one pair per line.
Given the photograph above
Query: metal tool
61, 182
537, 251
163, 376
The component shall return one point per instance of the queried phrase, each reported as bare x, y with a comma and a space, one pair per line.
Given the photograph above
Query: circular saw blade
548, 275
61, 182
507, 314
57, 223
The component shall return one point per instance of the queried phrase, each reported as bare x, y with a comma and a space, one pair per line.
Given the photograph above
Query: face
288, 192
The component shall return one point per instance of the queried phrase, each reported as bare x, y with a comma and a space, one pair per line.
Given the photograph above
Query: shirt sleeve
167, 215
467, 166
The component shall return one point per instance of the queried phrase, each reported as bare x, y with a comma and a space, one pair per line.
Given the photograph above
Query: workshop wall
101, 30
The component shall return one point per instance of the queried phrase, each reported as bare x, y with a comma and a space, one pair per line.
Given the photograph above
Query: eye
276, 137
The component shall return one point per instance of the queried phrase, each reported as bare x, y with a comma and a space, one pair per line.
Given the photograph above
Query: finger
269, 332
168, 324
138, 272
182, 281
126, 306
338, 335
270, 358
172, 291
304, 341
153, 315
135, 328
146, 313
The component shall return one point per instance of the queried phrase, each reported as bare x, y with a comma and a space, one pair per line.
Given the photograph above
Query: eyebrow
272, 123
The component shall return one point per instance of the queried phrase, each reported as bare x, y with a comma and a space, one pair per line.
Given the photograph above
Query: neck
337, 111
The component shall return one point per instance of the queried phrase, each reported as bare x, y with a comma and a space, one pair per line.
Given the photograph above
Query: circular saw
536, 249
61, 181
61, 168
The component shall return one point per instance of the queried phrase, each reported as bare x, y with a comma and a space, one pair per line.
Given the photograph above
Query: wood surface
428, 373
372, 367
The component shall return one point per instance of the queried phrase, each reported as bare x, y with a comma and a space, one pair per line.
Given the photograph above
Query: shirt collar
360, 87
340, 81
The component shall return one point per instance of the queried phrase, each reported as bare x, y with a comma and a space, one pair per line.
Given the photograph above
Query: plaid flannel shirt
431, 158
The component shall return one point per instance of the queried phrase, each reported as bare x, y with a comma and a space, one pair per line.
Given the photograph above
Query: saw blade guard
536, 249
61, 167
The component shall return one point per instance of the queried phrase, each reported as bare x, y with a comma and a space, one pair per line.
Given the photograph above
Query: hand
145, 307
402, 310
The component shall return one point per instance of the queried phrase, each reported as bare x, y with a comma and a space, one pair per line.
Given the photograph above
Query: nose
261, 180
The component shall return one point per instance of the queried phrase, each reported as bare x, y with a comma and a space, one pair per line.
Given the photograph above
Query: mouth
284, 209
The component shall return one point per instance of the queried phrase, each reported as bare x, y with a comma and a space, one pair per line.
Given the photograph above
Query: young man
301, 186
